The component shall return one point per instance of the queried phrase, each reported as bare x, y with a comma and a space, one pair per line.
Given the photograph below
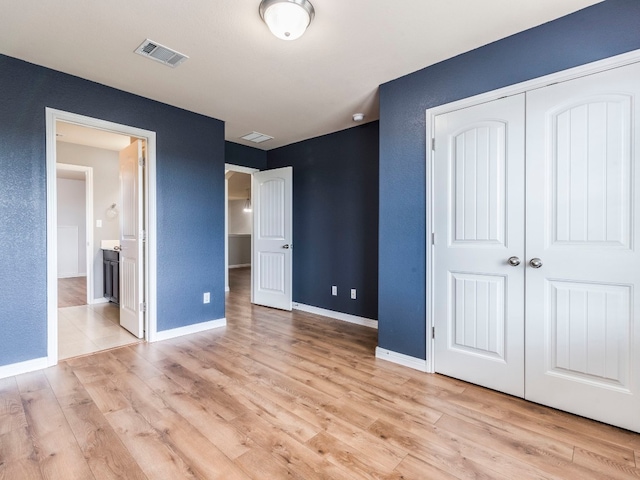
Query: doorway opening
94, 207
239, 228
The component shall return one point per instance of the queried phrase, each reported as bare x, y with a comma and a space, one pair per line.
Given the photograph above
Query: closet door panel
582, 210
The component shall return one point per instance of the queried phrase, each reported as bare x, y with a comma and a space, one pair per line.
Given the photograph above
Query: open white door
131, 256
271, 272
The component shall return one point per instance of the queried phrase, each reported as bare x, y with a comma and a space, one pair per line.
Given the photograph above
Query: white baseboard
96, 301
402, 359
226, 289
242, 265
23, 367
189, 329
345, 317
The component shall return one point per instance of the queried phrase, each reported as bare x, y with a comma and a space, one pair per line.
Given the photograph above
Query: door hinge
433, 332
143, 307
143, 235
433, 238
141, 162
433, 144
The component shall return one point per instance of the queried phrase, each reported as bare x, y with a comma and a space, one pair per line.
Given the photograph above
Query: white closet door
583, 217
479, 225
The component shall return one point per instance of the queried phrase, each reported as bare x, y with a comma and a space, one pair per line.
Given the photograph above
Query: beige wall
106, 190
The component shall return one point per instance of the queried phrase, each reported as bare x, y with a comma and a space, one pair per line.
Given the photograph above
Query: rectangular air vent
160, 53
256, 137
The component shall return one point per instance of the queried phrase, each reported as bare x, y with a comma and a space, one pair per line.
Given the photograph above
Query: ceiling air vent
256, 137
160, 53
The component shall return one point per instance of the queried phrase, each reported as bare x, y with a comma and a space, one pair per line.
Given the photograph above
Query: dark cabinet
111, 275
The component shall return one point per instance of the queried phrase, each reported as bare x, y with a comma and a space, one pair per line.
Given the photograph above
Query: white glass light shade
287, 19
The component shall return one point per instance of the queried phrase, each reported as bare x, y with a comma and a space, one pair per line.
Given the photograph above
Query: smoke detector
160, 53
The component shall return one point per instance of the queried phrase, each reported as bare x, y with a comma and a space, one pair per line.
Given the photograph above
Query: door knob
513, 261
285, 246
535, 262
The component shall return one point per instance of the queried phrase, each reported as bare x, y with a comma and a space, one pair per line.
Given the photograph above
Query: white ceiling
91, 137
240, 73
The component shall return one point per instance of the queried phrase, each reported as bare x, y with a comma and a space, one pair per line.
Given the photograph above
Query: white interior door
131, 256
583, 217
479, 225
271, 262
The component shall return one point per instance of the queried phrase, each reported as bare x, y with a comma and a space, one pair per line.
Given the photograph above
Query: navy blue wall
335, 218
237, 154
604, 30
190, 201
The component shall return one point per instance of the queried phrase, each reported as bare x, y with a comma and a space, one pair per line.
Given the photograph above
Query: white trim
88, 179
241, 265
431, 113
189, 329
401, 359
97, 301
231, 168
150, 293
345, 317
240, 169
23, 367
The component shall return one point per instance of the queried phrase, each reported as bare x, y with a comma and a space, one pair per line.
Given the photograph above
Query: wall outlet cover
353, 294
206, 298
334, 290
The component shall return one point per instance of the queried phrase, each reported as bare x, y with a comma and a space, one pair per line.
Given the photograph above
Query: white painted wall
239, 221
106, 190
72, 252
239, 234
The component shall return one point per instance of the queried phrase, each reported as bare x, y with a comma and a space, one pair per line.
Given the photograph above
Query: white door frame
431, 113
239, 169
88, 191
150, 269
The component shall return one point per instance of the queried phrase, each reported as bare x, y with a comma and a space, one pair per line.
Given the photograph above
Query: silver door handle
535, 262
285, 246
513, 261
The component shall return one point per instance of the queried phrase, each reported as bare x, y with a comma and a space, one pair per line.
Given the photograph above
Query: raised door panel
590, 327
591, 169
271, 213
478, 192
478, 314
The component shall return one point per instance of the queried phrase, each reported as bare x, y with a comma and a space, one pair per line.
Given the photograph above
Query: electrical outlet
334, 290
353, 294
98, 223
206, 298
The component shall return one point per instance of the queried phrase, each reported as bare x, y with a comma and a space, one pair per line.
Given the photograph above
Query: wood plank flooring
285, 395
72, 292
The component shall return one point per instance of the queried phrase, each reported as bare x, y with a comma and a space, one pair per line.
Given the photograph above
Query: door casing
150, 265
432, 113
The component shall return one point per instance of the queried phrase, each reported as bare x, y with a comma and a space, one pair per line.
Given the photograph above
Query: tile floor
90, 328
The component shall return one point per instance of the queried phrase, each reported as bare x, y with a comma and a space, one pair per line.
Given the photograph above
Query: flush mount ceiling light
287, 19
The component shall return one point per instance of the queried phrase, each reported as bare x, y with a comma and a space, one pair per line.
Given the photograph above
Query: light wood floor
285, 395
72, 292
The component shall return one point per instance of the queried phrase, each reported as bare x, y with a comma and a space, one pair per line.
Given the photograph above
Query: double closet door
537, 252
